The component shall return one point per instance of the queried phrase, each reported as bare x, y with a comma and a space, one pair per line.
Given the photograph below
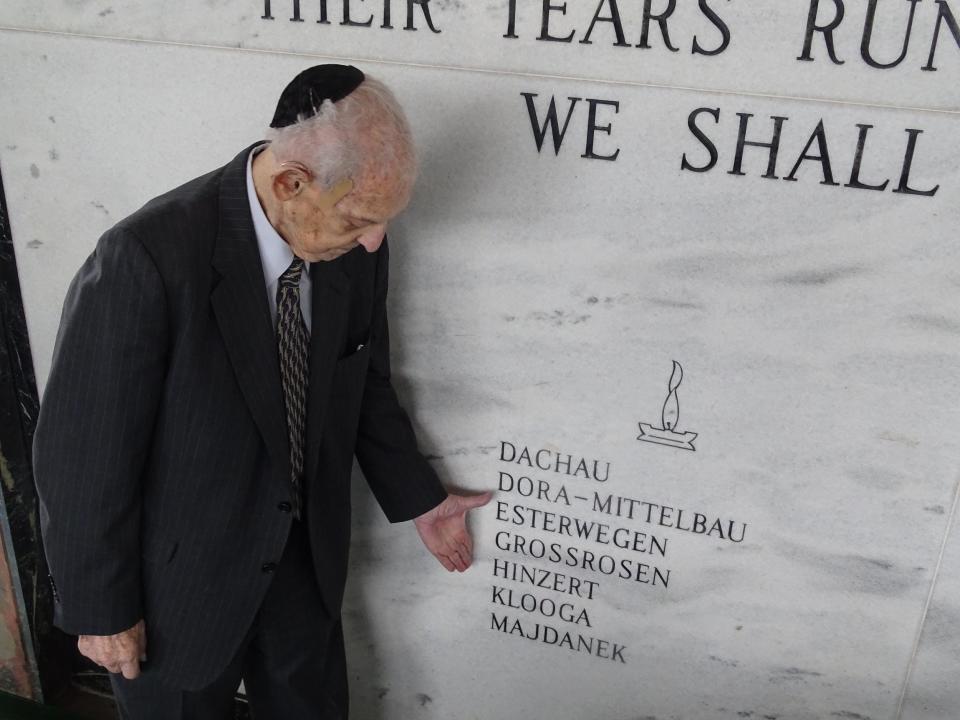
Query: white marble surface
540, 299
765, 39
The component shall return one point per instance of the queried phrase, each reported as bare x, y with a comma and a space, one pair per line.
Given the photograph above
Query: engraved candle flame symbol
671, 407
669, 418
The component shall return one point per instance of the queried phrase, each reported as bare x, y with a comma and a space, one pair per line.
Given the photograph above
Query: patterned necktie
294, 371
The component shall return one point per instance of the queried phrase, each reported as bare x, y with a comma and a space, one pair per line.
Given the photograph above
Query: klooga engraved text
542, 605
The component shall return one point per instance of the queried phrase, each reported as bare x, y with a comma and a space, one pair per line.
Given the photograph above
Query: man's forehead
368, 204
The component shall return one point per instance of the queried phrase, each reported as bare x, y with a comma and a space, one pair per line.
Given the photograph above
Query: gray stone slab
539, 300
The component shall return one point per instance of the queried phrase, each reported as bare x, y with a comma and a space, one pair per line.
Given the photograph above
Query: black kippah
305, 94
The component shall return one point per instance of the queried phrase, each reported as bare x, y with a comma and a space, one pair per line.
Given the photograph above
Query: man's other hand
444, 530
120, 653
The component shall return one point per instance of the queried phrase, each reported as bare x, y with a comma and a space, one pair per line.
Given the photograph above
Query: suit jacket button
285, 507
269, 567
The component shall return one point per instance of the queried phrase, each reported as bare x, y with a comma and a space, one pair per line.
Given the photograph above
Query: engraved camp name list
563, 536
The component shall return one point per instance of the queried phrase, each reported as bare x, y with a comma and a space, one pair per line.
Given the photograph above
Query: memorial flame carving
666, 434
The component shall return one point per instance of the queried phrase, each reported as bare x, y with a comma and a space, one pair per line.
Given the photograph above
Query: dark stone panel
19, 404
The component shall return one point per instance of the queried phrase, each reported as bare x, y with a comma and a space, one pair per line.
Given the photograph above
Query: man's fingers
95, 654
458, 561
116, 651
445, 561
457, 547
130, 669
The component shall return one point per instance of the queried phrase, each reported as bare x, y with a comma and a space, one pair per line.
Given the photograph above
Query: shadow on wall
444, 174
445, 186
364, 665
371, 679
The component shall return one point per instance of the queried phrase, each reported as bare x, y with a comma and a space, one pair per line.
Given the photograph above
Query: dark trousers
291, 659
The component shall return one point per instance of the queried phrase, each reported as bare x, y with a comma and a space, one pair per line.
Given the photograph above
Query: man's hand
120, 653
444, 530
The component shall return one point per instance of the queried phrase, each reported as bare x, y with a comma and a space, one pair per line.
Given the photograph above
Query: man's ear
289, 182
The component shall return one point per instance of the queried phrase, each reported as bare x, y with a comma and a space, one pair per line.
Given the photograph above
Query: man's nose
372, 239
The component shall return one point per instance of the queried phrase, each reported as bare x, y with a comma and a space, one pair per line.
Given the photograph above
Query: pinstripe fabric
105, 388
161, 455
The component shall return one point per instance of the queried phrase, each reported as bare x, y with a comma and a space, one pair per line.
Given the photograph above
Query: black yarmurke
305, 94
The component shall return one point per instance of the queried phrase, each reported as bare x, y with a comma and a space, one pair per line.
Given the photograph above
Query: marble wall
793, 560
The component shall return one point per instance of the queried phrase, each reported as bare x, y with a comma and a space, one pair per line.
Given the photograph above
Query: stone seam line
488, 71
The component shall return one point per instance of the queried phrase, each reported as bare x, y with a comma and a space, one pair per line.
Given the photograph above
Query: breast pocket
349, 377
358, 359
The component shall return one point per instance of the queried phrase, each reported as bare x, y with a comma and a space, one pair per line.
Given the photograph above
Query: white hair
364, 136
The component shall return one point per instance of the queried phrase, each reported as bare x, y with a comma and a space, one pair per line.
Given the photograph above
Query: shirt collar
275, 254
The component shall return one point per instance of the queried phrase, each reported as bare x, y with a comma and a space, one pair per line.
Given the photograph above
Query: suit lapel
330, 285
243, 315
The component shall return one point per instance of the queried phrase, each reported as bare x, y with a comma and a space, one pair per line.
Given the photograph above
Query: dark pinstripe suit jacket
161, 453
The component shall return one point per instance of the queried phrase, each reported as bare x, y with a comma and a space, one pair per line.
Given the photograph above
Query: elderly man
222, 356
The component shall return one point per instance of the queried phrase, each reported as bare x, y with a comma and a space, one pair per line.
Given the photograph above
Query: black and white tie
294, 350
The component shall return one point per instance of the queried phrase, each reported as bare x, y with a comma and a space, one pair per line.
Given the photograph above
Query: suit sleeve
402, 480
94, 433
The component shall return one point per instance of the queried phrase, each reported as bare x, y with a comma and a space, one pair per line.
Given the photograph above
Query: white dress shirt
275, 254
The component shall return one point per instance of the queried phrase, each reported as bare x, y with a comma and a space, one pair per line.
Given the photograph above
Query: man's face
324, 224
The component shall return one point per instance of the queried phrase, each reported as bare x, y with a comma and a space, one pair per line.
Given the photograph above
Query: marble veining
539, 298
